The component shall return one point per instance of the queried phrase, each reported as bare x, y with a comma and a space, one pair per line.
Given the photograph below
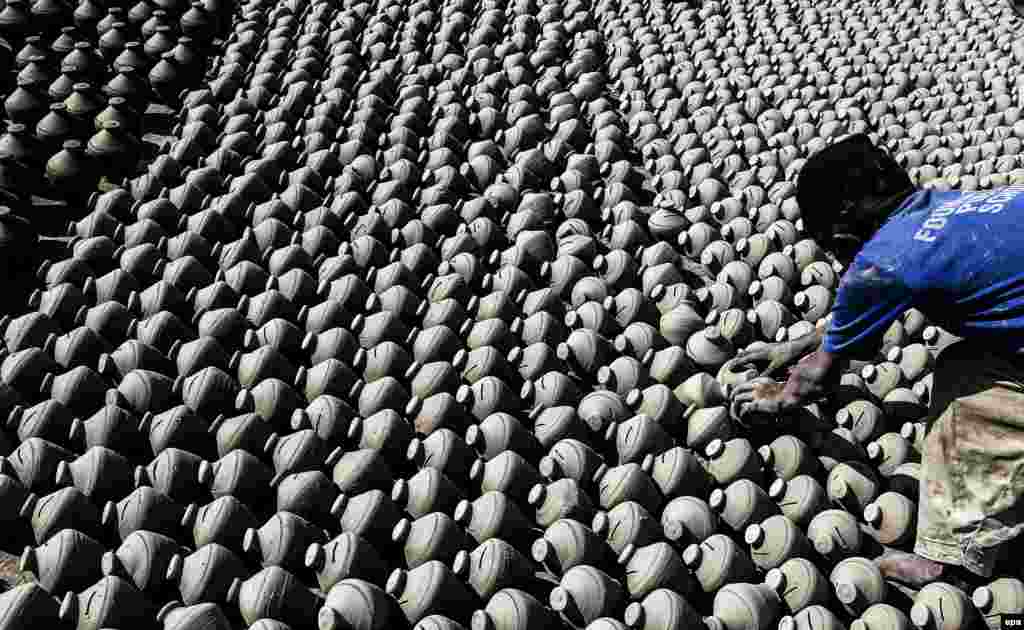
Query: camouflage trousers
972, 462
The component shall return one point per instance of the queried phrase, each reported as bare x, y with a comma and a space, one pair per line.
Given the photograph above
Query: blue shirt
956, 256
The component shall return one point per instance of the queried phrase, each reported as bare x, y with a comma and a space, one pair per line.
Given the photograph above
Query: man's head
846, 191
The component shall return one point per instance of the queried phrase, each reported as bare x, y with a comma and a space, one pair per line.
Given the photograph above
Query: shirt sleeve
869, 300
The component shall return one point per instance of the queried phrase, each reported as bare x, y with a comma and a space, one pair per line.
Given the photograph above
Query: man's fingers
772, 369
734, 409
739, 410
742, 388
744, 354
744, 397
751, 356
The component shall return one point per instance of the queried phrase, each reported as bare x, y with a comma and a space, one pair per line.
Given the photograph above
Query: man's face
845, 248
862, 218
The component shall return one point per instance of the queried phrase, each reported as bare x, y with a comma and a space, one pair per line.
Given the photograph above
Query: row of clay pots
553, 448
79, 69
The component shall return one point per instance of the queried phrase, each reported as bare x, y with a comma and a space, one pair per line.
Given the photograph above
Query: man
959, 258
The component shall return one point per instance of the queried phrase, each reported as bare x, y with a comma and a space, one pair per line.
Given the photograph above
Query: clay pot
852, 485
272, 399
296, 452
570, 458
100, 474
25, 370
371, 515
328, 416
628, 523
111, 427
49, 420
788, 456
142, 560
717, 561
144, 509
430, 588
800, 499
28, 601
747, 606
742, 503
432, 537
881, 616
858, 584
34, 463
68, 561
178, 427
551, 424
627, 482
494, 565
508, 473
775, 540
175, 473
586, 594
942, 605
28, 330
206, 574
438, 622
309, 494
1001, 596
347, 556
732, 460
238, 473
295, 606
892, 518
514, 609
499, 432
560, 499
655, 566
810, 617
80, 389
568, 543
81, 346
198, 354
209, 392
494, 515
174, 616
799, 584
73, 170
637, 438
686, 520
445, 450
111, 601
356, 603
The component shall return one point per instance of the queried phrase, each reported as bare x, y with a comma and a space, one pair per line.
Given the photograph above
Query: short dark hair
835, 181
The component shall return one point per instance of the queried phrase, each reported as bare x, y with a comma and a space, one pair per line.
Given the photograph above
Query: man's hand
762, 396
776, 356
773, 356
815, 375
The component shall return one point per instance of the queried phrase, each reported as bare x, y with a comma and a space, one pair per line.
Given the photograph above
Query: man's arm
809, 342
869, 300
771, 358
814, 376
